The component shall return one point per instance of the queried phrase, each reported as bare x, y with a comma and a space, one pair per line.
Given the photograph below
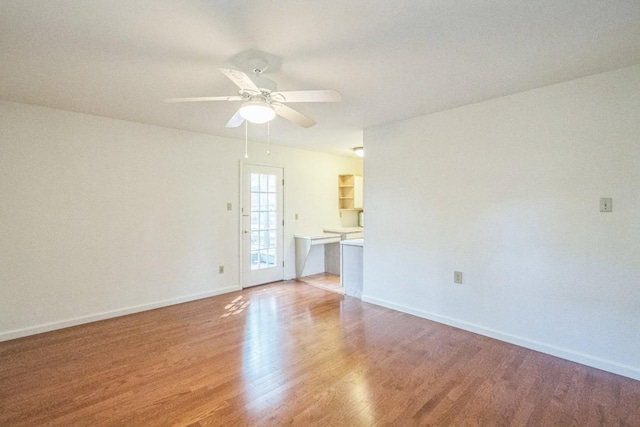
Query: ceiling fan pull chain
268, 138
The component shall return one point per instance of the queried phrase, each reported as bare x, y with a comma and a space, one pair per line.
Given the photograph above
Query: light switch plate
605, 204
457, 277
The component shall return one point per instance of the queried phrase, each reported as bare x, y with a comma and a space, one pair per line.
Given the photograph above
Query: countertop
316, 236
343, 230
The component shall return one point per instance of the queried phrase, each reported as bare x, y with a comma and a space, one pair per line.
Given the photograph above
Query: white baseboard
51, 326
584, 359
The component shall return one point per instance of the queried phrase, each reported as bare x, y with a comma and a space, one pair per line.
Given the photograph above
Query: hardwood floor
330, 282
293, 354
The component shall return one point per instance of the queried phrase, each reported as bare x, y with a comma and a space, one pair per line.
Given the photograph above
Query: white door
262, 225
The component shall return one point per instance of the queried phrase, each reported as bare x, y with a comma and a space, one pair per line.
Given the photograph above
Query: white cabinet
350, 194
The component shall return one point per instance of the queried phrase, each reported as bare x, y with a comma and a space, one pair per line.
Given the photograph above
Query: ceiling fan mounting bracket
256, 62
258, 65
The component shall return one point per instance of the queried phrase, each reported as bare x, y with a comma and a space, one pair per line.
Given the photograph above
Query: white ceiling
390, 59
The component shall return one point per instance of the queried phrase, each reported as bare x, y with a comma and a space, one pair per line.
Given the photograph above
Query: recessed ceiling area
390, 60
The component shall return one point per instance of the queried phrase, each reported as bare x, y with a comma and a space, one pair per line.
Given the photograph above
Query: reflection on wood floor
292, 354
330, 282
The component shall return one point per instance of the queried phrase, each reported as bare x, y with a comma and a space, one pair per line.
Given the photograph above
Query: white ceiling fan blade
240, 79
235, 121
205, 98
308, 96
294, 116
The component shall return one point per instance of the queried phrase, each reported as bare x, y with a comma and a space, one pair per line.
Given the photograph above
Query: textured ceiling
390, 60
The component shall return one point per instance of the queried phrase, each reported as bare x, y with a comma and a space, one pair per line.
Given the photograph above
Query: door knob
246, 231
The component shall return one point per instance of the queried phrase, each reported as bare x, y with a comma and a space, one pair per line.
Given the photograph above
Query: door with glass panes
262, 225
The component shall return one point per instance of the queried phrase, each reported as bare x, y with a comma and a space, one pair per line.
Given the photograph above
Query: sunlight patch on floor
236, 306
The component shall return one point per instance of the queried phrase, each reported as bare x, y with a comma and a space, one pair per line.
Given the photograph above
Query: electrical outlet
229, 206
220, 269
296, 217
457, 277
605, 204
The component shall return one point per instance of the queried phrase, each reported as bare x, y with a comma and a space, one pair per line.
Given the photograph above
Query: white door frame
243, 222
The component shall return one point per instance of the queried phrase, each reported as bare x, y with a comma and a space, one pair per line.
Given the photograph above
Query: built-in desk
332, 251
303, 246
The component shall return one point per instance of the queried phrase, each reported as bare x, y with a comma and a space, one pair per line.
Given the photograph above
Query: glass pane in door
263, 221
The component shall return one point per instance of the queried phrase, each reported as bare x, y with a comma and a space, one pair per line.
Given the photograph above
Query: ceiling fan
262, 101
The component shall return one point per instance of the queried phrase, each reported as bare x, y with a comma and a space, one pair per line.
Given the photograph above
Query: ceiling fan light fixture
359, 151
257, 112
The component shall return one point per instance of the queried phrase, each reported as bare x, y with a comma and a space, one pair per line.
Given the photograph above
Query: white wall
101, 217
507, 191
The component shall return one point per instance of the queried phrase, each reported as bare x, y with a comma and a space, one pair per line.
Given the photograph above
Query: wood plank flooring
293, 354
330, 282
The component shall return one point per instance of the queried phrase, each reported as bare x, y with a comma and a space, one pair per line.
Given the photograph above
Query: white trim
563, 353
51, 326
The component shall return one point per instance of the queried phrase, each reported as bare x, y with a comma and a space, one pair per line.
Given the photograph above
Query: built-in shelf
350, 192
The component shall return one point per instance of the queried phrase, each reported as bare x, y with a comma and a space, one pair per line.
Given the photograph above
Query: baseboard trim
52, 326
563, 353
